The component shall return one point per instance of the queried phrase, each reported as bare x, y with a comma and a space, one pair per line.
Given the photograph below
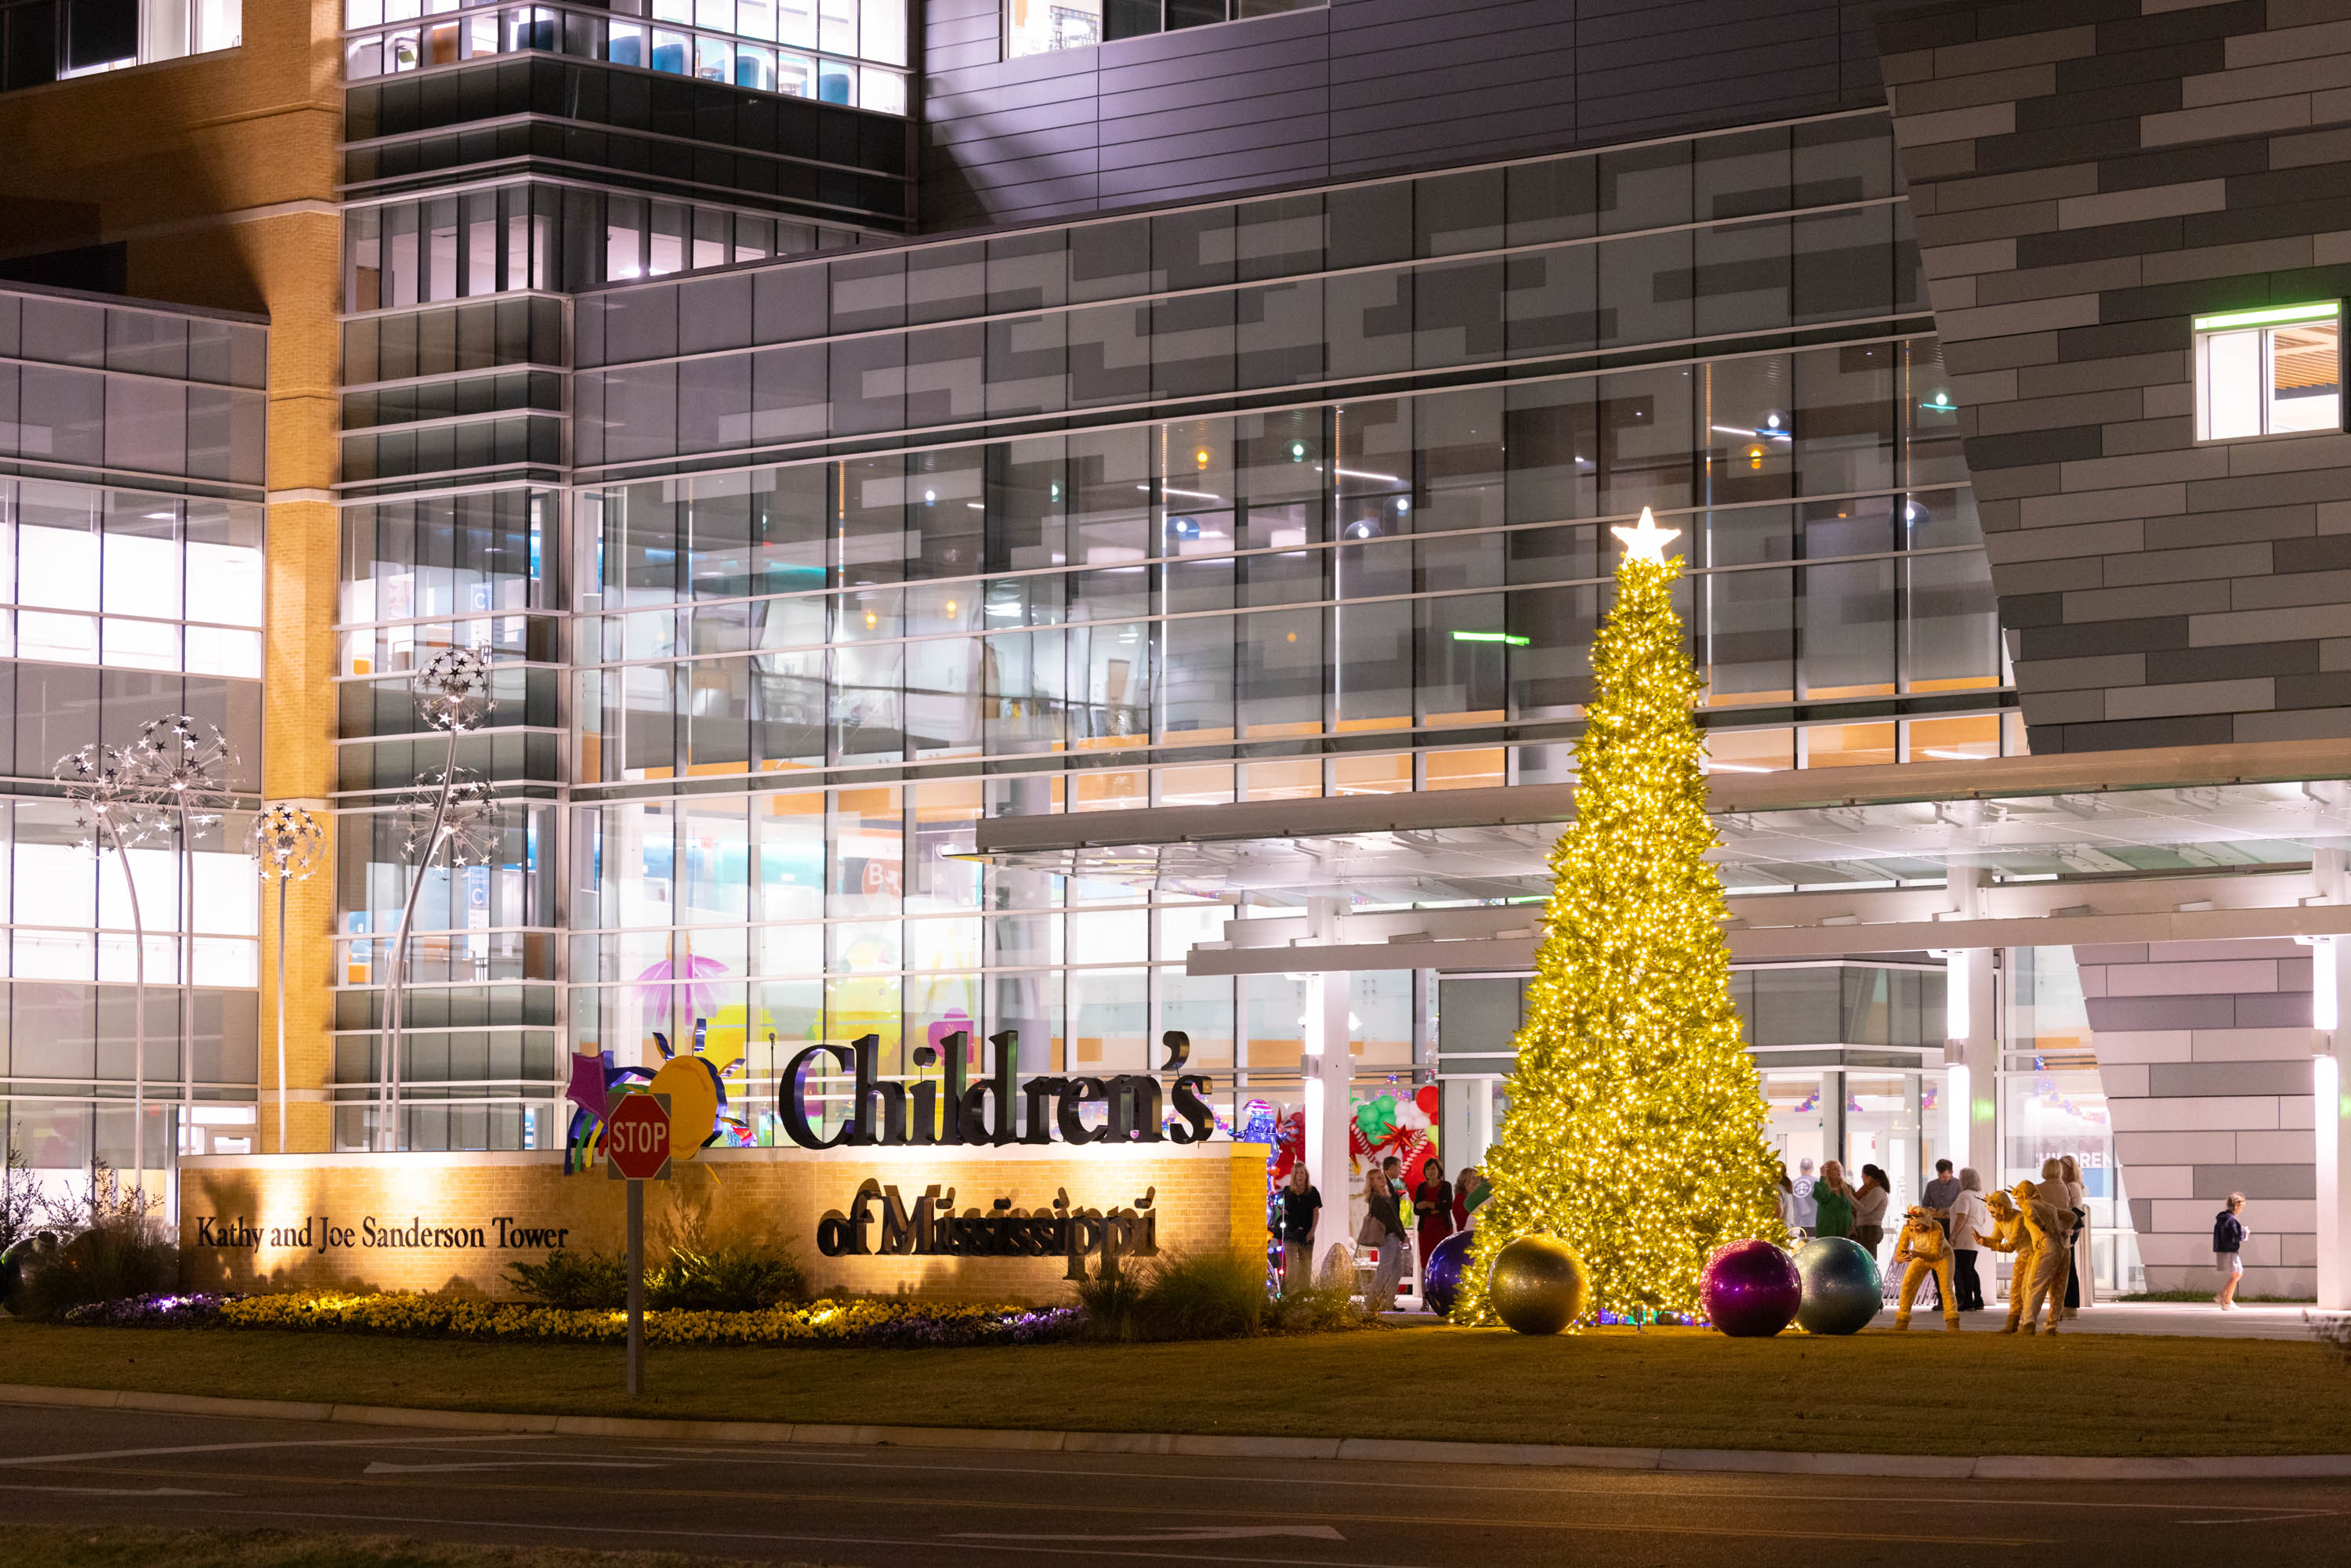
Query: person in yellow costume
1927, 1251
2009, 1233
2049, 1216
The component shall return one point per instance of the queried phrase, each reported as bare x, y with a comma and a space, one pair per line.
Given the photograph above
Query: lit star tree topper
1635, 1128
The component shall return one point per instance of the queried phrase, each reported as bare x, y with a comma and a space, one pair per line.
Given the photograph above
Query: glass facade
836, 51
1774, 239
1278, 499
94, 390
1041, 26
131, 588
523, 238
2053, 1104
45, 40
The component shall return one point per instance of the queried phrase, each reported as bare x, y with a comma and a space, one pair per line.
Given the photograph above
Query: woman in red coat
1433, 1202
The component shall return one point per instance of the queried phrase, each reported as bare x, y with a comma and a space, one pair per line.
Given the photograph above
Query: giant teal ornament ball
1841, 1285
1537, 1285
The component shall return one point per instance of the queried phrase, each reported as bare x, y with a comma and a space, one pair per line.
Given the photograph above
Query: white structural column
1971, 1042
2330, 1110
1329, 1071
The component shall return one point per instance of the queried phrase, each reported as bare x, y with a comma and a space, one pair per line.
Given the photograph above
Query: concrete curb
1539, 1456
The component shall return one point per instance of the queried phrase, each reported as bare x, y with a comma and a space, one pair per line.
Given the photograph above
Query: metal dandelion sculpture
181, 764
113, 813
449, 809
287, 846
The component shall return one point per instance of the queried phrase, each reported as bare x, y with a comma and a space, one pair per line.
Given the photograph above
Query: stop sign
636, 1137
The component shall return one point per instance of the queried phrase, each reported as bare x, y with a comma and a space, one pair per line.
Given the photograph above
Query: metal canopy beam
1508, 805
1806, 941
1824, 926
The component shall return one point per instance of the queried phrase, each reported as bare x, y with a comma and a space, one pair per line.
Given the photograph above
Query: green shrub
575, 1279
1204, 1295
104, 1263
98, 1248
1320, 1309
1110, 1301
725, 1280
722, 1280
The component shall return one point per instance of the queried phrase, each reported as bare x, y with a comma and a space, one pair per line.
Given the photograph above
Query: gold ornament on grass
1537, 1286
1635, 1135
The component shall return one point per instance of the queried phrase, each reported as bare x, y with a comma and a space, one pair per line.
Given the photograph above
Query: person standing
2069, 1171
2229, 1233
1832, 1202
1384, 1230
2048, 1216
1970, 1221
1805, 1210
1301, 1203
1464, 1186
1936, 1198
1787, 1198
1433, 1202
1869, 1209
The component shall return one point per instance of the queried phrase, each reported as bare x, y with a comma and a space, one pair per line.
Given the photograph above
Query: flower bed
856, 1322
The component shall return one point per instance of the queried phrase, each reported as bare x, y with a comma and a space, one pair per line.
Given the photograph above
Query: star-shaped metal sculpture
468, 825
286, 842
111, 807
1645, 540
453, 689
179, 760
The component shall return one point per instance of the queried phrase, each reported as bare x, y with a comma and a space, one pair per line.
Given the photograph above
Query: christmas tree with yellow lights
1635, 1133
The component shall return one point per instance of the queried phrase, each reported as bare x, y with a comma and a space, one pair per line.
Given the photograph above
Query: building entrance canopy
2160, 841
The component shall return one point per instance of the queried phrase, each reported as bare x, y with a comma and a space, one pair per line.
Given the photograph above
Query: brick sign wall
454, 1222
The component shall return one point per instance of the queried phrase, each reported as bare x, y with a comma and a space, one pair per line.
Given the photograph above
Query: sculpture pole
285, 843
177, 764
98, 778
391, 1130
452, 696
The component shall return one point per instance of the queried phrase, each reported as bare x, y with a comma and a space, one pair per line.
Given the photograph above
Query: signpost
636, 1150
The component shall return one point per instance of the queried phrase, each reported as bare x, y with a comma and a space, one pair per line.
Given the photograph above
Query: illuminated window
2275, 372
1043, 27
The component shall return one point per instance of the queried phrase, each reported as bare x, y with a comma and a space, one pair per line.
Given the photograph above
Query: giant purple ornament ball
1440, 1277
1751, 1289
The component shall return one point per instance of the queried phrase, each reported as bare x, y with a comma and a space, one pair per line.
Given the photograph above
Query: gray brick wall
2085, 176
2204, 1049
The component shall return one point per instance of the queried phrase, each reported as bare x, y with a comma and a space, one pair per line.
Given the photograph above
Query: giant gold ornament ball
1536, 1285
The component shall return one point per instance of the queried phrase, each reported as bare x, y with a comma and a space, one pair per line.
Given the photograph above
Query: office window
2275, 372
732, 41
43, 40
1042, 26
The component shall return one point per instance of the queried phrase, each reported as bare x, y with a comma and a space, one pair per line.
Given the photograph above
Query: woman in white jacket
2077, 1286
1970, 1219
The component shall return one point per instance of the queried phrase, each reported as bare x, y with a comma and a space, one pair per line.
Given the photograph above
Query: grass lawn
126, 1548
1876, 1392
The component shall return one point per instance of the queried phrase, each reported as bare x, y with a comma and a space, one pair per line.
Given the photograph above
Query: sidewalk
2179, 1319
2194, 1320
2076, 1469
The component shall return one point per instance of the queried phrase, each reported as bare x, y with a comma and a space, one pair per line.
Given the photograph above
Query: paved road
933, 1508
